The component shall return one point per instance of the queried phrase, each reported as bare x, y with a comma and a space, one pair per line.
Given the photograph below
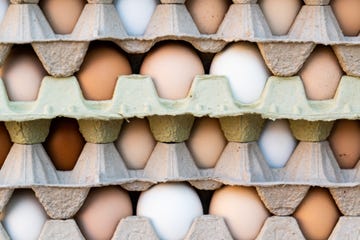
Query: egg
206, 142
62, 15
245, 69
171, 208
5, 143
4, 4
134, 133
102, 66
242, 209
208, 14
277, 143
317, 214
64, 143
347, 14
280, 14
321, 74
135, 15
22, 74
345, 141
24, 216
102, 211
173, 67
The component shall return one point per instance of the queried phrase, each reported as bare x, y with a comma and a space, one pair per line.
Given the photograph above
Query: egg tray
62, 55
208, 96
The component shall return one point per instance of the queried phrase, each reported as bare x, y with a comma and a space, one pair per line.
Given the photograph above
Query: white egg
135, 15
277, 143
171, 207
4, 4
24, 216
243, 65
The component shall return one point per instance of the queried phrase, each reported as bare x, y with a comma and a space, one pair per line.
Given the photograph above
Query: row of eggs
171, 208
207, 14
172, 66
206, 143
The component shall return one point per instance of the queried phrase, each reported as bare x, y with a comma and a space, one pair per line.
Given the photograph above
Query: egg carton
62, 55
209, 96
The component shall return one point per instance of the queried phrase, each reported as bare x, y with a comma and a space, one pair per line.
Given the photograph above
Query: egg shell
173, 67
347, 14
206, 142
5, 143
321, 74
317, 214
64, 143
345, 141
280, 14
22, 74
24, 216
4, 4
208, 14
102, 66
171, 207
62, 15
135, 15
135, 143
102, 211
245, 69
242, 209
277, 143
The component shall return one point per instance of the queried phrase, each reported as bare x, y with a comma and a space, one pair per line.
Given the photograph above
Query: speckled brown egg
347, 14
317, 214
208, 14
321, 74
173, 67
345, 141
62, 15
102, 66
64, 143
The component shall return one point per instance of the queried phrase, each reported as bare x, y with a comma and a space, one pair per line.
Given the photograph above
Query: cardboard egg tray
62, 193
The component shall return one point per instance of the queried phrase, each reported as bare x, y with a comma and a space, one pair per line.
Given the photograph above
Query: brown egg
102, 66
280, 14
208, 14
173, 67
135, 143
22, 74
62, 14
102, 211
317, 214
345, 141
321, 74
5, 143
347, 14
206, 142
242, 209
64, 143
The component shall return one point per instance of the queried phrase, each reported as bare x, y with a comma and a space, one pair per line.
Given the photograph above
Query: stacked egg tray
312, 163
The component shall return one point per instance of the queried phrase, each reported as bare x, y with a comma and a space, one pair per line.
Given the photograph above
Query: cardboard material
280, 228
316, 131
346, 228
61, 229
28, 132
100, 131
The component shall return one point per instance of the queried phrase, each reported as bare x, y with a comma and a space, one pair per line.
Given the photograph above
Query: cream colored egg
22, 74
317, 214
280, 14
102, 211
242, 209
24, 216
208, 14
173, 67
62, 15
135, 143
345, 141
99, 72
321, 74
206, 142
245, 69
347, 14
